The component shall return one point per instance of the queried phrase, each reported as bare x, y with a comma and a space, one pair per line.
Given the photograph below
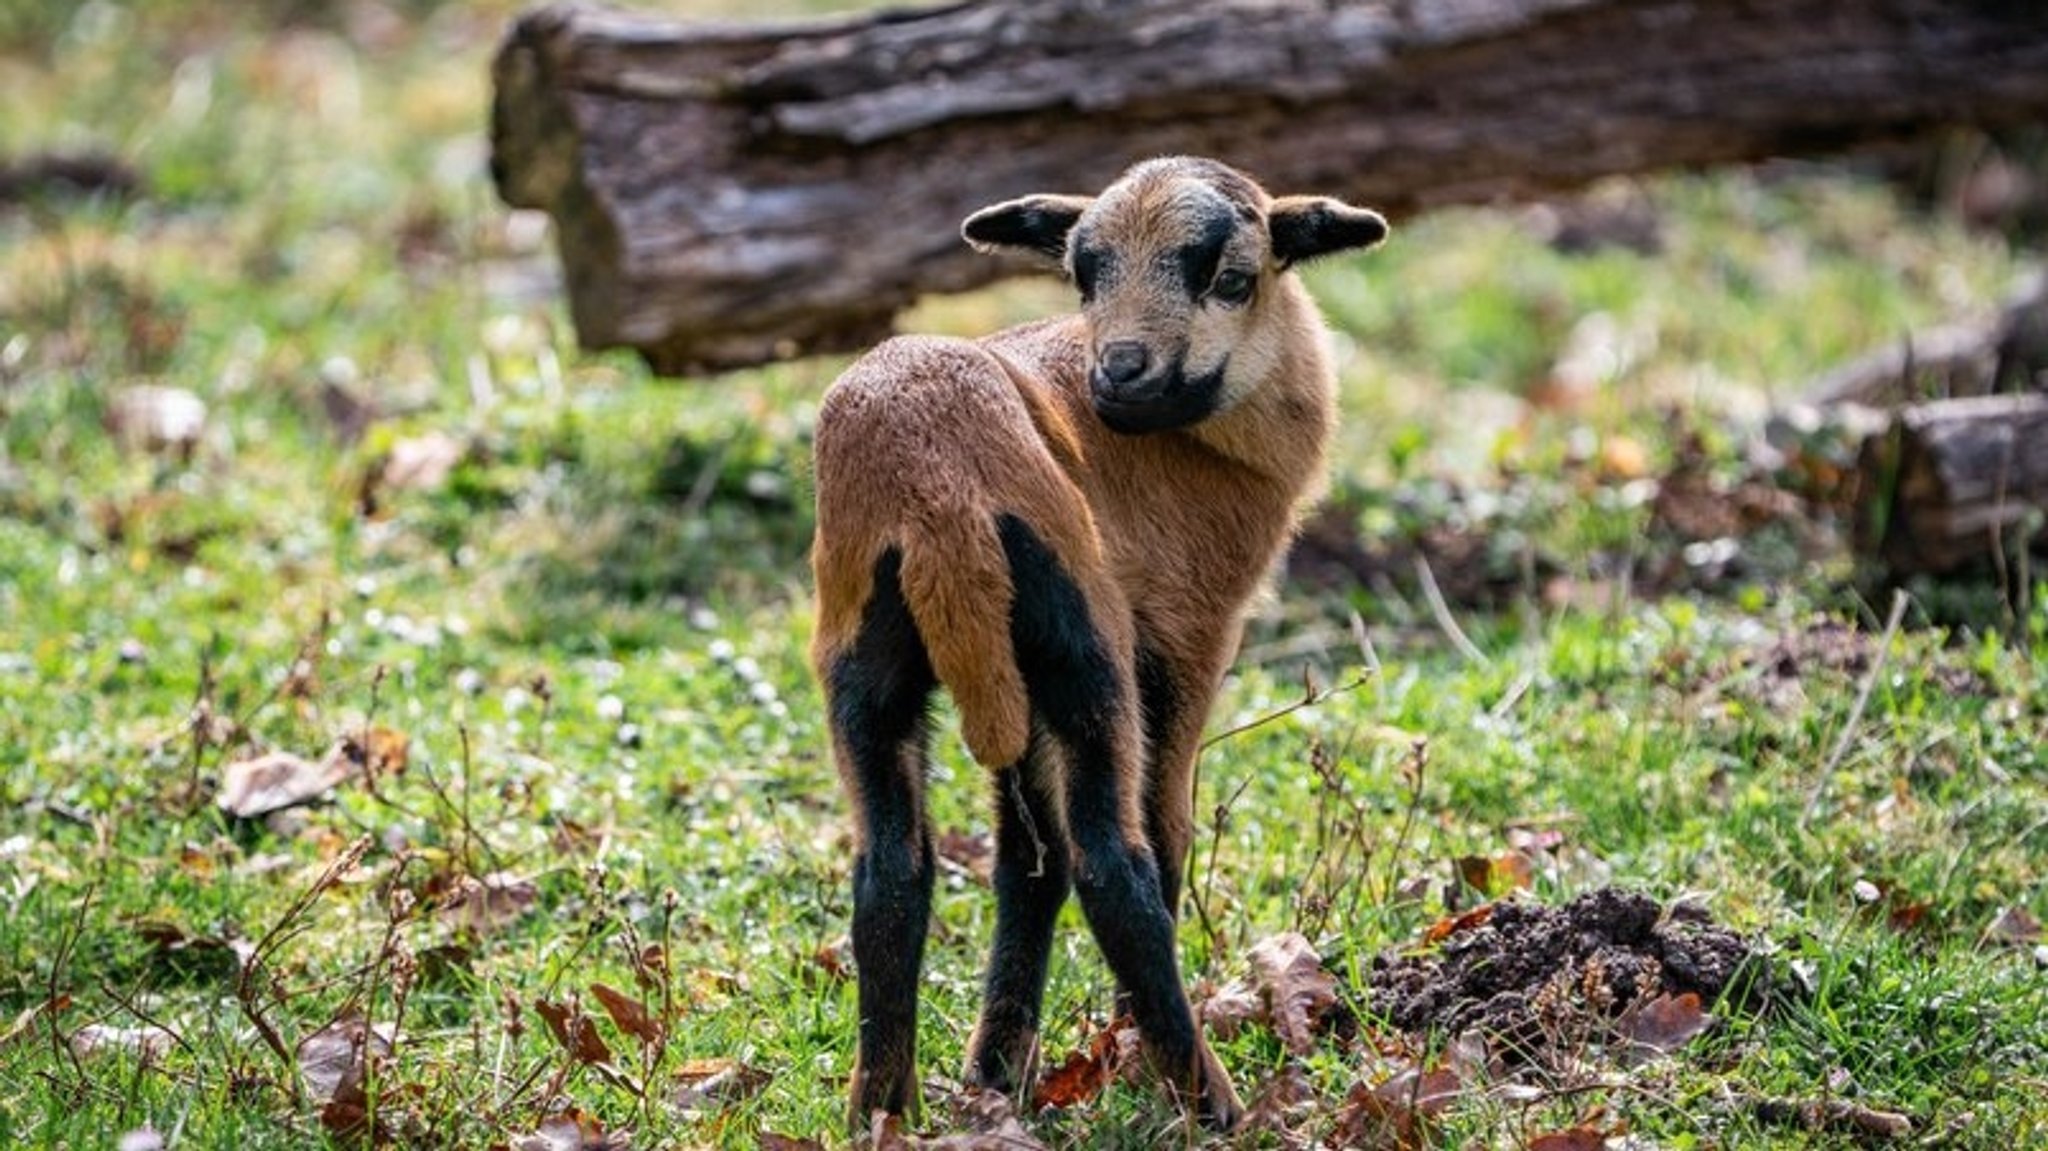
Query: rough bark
730, 194
2007, 351
1958, 483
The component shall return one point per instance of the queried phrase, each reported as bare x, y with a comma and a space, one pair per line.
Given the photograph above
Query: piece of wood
2007, 351
729, 194
1957, 483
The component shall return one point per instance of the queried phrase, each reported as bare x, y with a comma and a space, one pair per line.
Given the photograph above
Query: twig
1418, 753
1310, 698
1891, 629
53, 996
246, 991
1442, 613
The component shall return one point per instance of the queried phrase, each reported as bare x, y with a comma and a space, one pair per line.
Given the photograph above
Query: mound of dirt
1539, 981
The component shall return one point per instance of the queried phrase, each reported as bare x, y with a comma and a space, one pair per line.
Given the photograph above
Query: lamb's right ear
1033, 224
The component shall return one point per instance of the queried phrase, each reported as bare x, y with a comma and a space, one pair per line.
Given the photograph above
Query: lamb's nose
1123, 361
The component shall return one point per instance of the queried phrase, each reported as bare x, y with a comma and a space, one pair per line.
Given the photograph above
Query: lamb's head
1179, 264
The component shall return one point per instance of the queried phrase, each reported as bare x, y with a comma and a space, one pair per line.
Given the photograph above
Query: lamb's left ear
1304, 227
1034, 224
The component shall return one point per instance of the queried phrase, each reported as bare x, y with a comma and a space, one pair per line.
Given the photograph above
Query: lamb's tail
960, 594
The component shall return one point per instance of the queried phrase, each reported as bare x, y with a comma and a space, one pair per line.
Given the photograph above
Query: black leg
1091, 711
1031, 882
1167, 818
880, 689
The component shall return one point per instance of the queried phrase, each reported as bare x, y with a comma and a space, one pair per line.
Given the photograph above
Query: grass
591, 634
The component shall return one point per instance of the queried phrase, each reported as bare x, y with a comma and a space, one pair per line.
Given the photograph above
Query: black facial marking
1093, 265
1175, 402
1196, 261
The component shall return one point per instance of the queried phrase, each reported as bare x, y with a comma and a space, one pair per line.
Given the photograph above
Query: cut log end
1957, 484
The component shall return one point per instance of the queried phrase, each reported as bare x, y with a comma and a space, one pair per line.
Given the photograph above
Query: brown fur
924, 442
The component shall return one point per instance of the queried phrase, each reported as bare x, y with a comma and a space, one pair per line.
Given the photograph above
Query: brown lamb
1062, 524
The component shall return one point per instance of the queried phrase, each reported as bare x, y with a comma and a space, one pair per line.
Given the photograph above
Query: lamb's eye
1230, 287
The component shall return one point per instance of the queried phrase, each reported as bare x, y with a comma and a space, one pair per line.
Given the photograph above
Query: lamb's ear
1304, 227
1032, 224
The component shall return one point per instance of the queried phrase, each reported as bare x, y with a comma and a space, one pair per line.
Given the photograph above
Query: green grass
593, 636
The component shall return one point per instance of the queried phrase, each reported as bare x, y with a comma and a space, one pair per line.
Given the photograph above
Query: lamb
1062, 524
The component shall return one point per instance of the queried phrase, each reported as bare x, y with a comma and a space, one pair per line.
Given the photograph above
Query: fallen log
729, 194
1957, 483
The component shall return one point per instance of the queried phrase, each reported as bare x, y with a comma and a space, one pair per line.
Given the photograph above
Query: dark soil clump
1541, 980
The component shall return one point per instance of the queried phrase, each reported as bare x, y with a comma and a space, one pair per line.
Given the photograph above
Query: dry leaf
149, 1044
770, 1141
1451, 925
333, 1061
1396, 1112
835, 958
2014, 926
574, 1030
489, 904
628, 1013
423, 462
1666, 1023
252, 788
1227, 1009
1574, 1138
1839, 1115
974, 854
571, 1130
154, 418
1298, 992
1496, 876
710, 1084
1084, 1074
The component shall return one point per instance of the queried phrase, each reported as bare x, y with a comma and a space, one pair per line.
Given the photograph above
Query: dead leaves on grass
273, 781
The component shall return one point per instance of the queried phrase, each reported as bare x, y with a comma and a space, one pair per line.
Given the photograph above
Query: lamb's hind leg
879, 689
1031, 882
1089, 706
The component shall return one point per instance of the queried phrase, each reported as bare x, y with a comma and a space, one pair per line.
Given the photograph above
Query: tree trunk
726, 195
1958, 483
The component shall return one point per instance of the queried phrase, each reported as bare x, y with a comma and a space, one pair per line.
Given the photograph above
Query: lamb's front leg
1086, 701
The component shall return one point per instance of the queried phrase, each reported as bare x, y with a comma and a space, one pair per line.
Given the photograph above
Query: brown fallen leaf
273, 781
1496, 876
713, 1084
1835, 1114
771, 1141
1083, 1074
2013, 926
334, 1064
993, 1126
156, 418
572, 1130
1665, 1023
1574, 1138
1225, 1010
1297, 991
629, 1014
149, 1044
421, 463
491, 903
1397, 1111
574, 1030
973, 853
1451, 925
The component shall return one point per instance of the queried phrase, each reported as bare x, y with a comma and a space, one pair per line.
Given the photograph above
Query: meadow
534, 620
